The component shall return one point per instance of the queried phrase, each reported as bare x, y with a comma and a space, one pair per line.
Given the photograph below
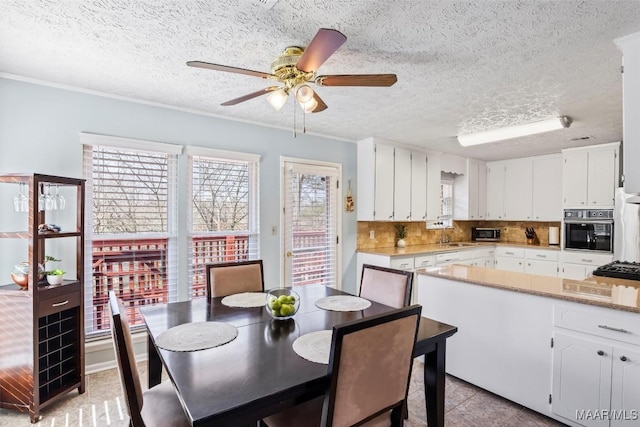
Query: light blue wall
39, 127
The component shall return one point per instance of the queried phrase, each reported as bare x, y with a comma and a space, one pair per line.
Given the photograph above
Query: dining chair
229, 278
158, 406
369, 366
386, 286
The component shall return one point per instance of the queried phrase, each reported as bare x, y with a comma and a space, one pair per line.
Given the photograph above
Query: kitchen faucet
444, 238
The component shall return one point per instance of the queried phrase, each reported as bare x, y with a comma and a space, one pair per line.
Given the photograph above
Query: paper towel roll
554, 235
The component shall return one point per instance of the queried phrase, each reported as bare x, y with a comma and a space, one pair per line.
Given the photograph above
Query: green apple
286, 310
283, 299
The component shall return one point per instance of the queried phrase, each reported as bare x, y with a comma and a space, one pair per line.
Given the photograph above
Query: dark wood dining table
258, 373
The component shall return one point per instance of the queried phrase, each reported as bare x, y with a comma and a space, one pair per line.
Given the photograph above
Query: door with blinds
311, 239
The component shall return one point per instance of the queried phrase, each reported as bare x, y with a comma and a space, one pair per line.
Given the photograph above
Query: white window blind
311, 234
224, 214
446, 201
131, 194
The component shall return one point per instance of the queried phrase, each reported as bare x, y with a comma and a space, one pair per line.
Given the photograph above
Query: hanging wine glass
48, 200
42, 205
59, 198
20, 200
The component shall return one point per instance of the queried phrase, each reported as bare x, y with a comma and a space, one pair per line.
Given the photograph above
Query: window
224, 211
130, 225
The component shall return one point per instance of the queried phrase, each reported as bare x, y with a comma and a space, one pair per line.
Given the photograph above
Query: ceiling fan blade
323, 45
321, 105
250, 96
357, 80
228, 69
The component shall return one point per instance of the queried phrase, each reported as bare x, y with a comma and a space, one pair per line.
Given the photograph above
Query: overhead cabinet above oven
590, 176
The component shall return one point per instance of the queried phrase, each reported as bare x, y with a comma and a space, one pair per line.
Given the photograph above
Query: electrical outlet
274, 230
372, 234
505, 230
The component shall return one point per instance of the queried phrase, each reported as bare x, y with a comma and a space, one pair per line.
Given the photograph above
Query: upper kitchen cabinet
547, 193
518, 183
392, 182
470, 192
630, 47
590, 176
495, 190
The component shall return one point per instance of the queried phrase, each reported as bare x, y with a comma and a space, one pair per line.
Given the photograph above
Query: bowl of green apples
282, 303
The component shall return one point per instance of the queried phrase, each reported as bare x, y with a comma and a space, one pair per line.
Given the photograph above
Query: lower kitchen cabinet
596, 368
578, 265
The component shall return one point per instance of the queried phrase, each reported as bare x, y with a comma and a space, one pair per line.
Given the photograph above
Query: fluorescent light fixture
278, 98
509, 132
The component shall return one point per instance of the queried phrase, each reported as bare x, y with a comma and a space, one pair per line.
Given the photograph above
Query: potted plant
401, 233
55, 276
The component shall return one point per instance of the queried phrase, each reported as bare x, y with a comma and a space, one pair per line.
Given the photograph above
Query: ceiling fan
296, 67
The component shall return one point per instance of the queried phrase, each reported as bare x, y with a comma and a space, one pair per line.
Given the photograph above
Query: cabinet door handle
408, 216
541, 256
611, 328
600, 353
623, 358
587, 260
509, 253
59, 304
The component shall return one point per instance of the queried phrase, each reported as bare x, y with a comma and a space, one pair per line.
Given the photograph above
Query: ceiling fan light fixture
304, 93
510, 132
309, 106
278, 98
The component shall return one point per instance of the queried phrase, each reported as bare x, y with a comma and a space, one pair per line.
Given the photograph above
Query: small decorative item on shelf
349, 204
282, 303
20, 274
401, 233
55, 277
48, 228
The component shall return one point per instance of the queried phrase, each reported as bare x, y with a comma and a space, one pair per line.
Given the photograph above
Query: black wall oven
588, 230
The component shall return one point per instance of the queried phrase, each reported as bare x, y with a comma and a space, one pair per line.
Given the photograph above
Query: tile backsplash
417, 234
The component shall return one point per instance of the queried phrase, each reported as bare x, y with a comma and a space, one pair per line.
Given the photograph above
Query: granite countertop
437, 248
606, 292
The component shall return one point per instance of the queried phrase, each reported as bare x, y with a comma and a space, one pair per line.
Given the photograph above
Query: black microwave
482, 234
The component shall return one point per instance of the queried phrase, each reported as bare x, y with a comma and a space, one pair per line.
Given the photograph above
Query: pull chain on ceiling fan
296, 67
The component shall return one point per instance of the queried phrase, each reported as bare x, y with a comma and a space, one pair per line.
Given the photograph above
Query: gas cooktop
619, 270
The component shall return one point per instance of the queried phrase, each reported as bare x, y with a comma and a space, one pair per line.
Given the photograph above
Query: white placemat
196, 336
343, 303
245, 299
314, 346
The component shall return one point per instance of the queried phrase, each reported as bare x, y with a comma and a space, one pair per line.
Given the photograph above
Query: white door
495, 190
509, 264
574, 179
383, 188
581, 377
625, 385
310, 221
518, 182
543, 268
402, 185
547, 193
418, 186
601, 180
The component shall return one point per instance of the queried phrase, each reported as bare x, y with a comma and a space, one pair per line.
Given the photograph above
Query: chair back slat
386, 286
234, 277
370, 366
125, 357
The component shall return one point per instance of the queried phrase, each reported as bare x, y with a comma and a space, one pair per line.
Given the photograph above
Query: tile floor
466, 406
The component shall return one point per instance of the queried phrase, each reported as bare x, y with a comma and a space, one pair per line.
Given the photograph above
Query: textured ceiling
461, 65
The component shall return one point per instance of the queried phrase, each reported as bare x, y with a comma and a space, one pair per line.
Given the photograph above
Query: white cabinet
383, 179
402, 185
590, 176
470, 192
418, 186
596, 366
509, 259
547, 191
495, 190
577, 265
518, 182
542, 262
581, 377
391, 184
630, 47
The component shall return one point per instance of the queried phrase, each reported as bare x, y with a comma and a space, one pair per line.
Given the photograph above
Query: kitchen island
556, 346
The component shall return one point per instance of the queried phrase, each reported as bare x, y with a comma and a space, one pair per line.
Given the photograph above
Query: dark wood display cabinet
41, 324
